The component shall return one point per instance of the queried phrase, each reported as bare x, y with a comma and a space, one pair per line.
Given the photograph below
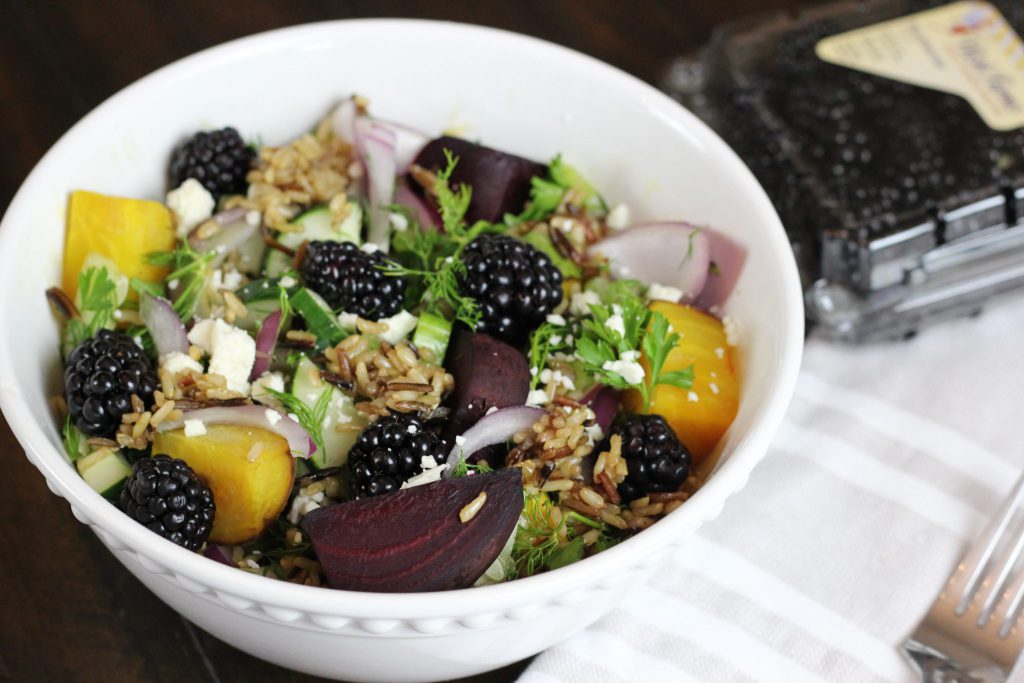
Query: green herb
436, 256
98, 296
689, 245
542, 345
72, 439
547, 193
463, 468
657, 344
293, 358
143, 287
538, 546
189, 269
598, 344
310, 417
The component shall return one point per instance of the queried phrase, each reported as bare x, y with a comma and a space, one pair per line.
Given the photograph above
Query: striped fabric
889, 462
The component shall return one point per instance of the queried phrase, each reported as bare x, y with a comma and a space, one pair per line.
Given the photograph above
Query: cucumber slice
316, 225
105, 471
433, 332
341, 412
320, 319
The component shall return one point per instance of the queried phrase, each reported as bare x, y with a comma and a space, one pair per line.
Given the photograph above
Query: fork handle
936, 668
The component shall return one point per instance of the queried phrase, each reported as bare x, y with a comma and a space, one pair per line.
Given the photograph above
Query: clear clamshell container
903, 206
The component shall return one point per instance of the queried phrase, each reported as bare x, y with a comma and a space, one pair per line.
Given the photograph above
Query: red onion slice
299, 443
231, 236
497, 427
604, 401
376, 146
728, 257
343, 120
163, 323
266, 340
219, 553
408, 143
673, 254
426, 216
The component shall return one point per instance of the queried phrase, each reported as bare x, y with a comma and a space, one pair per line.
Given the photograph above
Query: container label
966, 48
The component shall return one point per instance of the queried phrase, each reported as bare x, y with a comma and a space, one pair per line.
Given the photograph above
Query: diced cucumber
316, 225
540, 239
320, 319
105, 471
433, 332
343, 422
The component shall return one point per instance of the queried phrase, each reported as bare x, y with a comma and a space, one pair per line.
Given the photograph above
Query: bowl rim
732, 475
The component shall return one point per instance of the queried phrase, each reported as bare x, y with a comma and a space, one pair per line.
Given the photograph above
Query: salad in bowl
371, 359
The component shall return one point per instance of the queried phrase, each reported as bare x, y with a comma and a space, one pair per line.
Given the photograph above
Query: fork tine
1011, 611
977, 558
995, 588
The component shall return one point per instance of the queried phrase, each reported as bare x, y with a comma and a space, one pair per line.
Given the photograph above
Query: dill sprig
539, 545
189, 268
310, 417
436, 256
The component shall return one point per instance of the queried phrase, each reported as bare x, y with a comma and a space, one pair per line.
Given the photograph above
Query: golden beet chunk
250, 472
699, 415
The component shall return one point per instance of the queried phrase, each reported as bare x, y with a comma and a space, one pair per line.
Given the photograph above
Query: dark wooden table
68, 610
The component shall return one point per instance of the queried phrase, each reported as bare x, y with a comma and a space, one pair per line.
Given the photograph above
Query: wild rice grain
469, 511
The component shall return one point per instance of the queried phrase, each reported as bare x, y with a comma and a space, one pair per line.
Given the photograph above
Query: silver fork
971, 634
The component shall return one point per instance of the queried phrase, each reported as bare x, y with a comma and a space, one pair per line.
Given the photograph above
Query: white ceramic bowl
513, 92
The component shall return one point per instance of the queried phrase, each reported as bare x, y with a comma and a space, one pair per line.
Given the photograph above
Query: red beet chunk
414, 540
500, 181
488, 374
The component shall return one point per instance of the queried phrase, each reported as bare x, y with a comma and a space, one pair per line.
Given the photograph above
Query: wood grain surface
68, 610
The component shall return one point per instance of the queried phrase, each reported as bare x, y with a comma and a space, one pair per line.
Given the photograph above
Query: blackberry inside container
900, 201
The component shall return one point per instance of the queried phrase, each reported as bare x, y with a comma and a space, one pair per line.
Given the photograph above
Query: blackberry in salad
219, 160
326, 352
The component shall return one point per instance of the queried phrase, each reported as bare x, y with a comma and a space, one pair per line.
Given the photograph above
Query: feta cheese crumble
732, 330
432, 472
616, 324
191, 204
555, 319
537, 397
288, 281
232, 351
400, 326
658, 292
176, 361
580, 302
268, 380
629, 370
195, 428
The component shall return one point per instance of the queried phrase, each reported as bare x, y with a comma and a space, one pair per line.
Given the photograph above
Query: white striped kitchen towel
891, 458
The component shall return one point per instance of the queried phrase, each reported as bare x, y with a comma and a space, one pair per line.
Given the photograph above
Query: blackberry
219, 160
351, 279
656, 459
515, 284
389, 452
165, 495
100, 376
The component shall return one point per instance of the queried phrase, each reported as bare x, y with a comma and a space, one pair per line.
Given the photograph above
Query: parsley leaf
600, 343
72, 439
98, 295
310, 417
657, 344
542, 345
